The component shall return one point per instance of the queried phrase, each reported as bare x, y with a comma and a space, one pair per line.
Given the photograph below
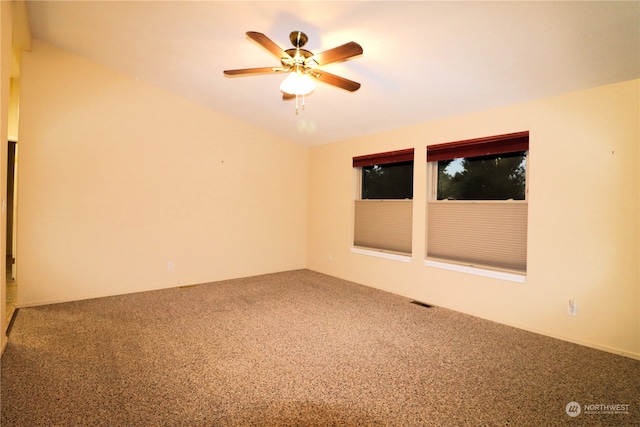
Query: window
384, 208
493, 177
477, 210
387, 181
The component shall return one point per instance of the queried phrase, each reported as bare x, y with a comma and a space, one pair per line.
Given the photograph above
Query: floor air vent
421, 304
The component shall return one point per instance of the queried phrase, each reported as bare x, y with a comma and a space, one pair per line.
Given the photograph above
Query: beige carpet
296, 349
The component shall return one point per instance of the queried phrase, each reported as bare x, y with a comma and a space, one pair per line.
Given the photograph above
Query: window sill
381, 254
495, 274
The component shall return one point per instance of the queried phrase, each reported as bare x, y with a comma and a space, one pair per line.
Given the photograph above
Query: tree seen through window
388, 181
493, 177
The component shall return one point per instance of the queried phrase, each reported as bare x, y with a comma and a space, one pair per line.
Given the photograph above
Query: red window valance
383, 158
499, 144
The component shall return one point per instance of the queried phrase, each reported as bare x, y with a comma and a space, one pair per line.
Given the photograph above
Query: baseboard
82, 298
630, 355
619, 352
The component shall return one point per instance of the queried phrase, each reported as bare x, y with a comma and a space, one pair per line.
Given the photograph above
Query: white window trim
358, 189
432, 189
363, 250
381, 254
495, 274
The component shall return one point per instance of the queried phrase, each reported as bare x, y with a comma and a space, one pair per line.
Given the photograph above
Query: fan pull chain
297, 103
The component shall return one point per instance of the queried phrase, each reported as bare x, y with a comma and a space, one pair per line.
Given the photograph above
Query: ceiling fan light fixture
302, 65
298, 83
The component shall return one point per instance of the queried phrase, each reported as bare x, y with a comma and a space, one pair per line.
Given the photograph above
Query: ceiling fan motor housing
299, 57
298, 38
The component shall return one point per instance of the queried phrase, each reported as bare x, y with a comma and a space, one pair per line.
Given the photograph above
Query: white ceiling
422, 61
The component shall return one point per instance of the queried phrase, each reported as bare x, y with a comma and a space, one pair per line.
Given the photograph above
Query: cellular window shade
383, 158
384, 224
499, 144
483, 234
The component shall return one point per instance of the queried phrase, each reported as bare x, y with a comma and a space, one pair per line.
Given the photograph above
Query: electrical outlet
170, 266
572, 309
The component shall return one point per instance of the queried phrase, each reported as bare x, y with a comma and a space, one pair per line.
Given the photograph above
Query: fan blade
268, 44
251, 71
340, 53
287, 96
334, 80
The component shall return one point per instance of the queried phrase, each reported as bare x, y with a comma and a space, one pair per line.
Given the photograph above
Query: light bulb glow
298, 83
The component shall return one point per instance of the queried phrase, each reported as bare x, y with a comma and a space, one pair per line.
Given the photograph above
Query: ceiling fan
302, 65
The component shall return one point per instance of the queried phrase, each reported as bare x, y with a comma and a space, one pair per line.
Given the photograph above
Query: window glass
388, 181
492, 177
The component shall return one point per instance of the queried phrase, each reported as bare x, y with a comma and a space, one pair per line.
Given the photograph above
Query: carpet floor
298, 348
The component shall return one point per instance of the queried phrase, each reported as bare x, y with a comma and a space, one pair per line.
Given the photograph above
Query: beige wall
583, 218
118, 178
14, 109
